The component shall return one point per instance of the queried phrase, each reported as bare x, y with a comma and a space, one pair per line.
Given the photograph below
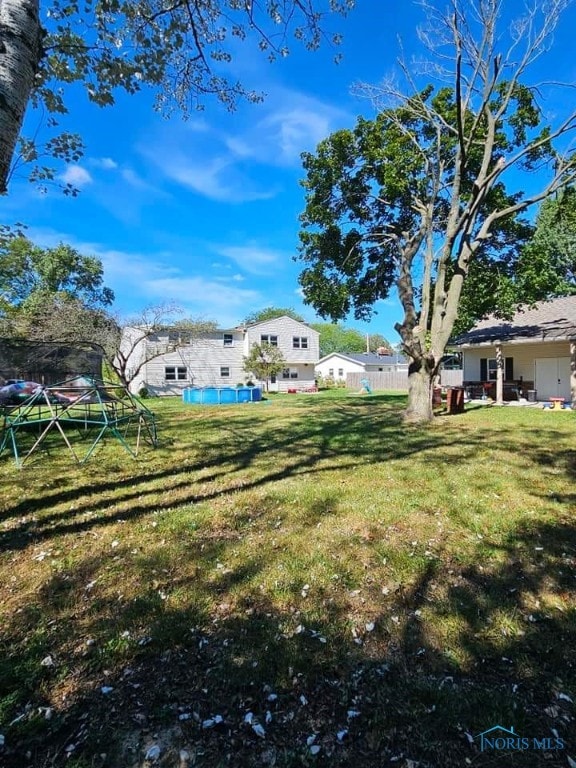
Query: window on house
175, 373
286, 373
488, 369
299, 342
331, 372
224, 371
228, 340
340, 373
266, 338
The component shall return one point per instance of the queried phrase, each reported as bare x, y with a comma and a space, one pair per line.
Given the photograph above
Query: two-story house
168, 362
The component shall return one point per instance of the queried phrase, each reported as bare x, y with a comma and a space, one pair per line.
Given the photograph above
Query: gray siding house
167, 362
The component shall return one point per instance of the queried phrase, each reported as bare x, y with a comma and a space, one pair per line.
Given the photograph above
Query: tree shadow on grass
199, 657
222, 455
460, 647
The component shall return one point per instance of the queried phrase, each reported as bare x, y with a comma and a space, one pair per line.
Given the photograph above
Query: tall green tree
264, 361
334, 337
415, 196
270, 313
544, 267
181, 49
32, 277
547, 264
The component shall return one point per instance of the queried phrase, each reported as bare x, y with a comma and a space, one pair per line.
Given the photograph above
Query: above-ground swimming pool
221, 395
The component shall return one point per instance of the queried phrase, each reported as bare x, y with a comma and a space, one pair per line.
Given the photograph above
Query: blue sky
205, 212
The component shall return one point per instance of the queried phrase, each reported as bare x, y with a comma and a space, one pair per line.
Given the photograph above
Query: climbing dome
78, 413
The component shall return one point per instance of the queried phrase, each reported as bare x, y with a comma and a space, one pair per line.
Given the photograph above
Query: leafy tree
264, 361
547, 264
334, 337
414, 197
31, 276
193, 324
378, 342
180, 49
543, 268
269, 313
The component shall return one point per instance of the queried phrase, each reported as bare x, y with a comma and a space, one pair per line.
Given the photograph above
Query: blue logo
499, 738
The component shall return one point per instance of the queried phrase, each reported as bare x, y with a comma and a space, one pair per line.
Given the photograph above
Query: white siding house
216, 358
338, 365
537, 348
299, 344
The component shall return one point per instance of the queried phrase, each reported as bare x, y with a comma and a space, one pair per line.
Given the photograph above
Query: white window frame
224, 371
180, 373
269, 338
299, 342
227, 340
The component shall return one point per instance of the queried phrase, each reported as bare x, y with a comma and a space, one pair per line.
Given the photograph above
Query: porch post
573, 371
499, 375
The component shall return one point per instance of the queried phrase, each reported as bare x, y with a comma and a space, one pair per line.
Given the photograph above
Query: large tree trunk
20, 52
421, 375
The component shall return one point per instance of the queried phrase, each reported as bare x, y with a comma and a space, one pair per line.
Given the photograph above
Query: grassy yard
299, 582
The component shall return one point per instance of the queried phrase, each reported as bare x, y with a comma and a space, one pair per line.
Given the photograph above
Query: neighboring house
338, 365
537, 349
216, 358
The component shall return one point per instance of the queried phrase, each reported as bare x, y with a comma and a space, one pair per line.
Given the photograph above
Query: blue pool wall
221, 395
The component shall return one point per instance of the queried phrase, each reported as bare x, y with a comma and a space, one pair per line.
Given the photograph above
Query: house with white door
168, 361
535, 353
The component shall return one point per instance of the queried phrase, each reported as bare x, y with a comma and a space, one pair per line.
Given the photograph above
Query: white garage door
553, 377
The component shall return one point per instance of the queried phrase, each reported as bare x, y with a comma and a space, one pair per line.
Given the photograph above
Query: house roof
553, 320
366, 358
282, 317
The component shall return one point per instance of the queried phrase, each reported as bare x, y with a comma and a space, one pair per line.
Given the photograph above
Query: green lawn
307, 564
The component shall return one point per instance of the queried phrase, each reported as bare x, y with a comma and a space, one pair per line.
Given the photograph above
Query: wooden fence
398, 380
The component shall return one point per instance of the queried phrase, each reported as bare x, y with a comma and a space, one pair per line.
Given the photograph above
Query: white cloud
104, 162
202, 297
215, 178
131, 177
77, 176
235, 167
239, 147
139, 281
252, 258
293, 122
295, 130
